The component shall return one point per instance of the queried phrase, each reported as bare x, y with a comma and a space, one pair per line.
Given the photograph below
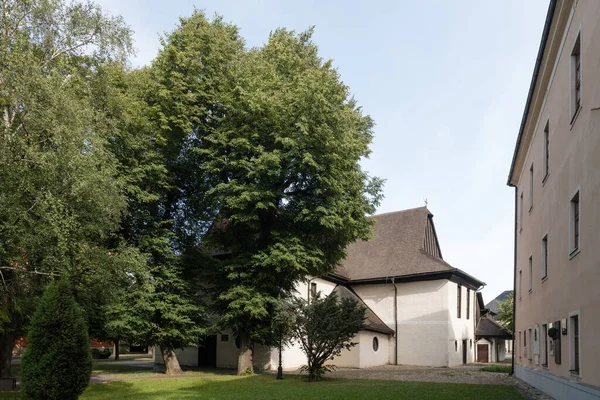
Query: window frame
531, 188
522, 207
546, 155
544, 258
468, 302
525, 343
458, 300
576, 77
544, 345
530, 273
575, 223
520, 284
574, 343
530, 354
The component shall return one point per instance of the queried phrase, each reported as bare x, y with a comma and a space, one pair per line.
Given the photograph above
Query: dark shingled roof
404, 243
489, 328
372, 321
493, 305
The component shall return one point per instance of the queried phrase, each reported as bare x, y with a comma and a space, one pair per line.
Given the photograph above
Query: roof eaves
536, 70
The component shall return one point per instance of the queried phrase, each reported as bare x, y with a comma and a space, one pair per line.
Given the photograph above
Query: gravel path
469, 374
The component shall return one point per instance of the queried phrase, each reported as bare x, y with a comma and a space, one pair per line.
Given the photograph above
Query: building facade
556, 175
420, 309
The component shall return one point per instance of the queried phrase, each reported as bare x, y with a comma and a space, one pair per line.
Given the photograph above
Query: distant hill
493, 305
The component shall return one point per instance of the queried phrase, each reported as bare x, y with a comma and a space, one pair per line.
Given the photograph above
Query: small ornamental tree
324, 327
505, 312
57, 363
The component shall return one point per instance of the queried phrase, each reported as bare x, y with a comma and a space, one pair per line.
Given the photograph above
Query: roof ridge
497, 324
400, 211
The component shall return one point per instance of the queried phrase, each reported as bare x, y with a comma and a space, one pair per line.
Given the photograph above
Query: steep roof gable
372, 321
403, 243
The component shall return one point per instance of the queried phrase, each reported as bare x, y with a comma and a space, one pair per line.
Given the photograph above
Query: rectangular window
557, 343
575, 222
468, 302
531, 188
576, 77
525, 343
530, 354
521, 212
458, 300
520, 284
313, 290
544, 256
544, 345
530, 273
519, 345
574, 343
546, 150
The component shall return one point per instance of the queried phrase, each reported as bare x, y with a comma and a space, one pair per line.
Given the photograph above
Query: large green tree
61, 197
185, 91
283, 179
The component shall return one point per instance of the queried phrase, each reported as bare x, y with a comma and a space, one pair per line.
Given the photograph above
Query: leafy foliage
61, 198
57, 363
283, 179
505, 312
324, 327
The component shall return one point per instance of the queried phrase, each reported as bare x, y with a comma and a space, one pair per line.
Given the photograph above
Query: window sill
530, 209
520, 229
530, 290
574, 253
545, 179
575, 115
575, 374
544, 279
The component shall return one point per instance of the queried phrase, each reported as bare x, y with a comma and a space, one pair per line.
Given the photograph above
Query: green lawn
262, 387
497, 368
100, 368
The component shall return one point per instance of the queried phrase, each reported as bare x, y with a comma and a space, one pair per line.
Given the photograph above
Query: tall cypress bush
57, 363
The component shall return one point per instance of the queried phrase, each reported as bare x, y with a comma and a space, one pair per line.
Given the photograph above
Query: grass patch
265, 387
100, 368
497, 368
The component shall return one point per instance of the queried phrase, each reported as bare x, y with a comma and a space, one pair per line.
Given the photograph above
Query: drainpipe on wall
512, 371
395, 321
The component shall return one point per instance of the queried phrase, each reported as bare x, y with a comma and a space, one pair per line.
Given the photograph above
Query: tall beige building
556, 174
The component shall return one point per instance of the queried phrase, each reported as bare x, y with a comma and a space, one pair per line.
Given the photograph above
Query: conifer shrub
57, 363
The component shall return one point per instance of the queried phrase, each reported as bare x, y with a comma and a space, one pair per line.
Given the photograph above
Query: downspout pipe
395, 321
512, 370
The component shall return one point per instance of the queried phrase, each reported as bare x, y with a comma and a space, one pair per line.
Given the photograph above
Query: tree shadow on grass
293, 387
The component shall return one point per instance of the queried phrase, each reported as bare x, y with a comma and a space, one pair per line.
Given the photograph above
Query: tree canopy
211, 181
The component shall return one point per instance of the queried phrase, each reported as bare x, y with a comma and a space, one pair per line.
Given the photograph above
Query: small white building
420, 309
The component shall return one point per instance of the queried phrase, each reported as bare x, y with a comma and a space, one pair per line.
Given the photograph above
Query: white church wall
186, 357
380, 299
422, 319
369, 357
462, 328
227, 351
349, 358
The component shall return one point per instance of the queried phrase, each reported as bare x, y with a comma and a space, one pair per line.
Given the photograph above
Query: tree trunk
172, 366
7, 343
245, 355
116, 341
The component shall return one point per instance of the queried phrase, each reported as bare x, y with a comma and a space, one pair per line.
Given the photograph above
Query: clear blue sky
445, 82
